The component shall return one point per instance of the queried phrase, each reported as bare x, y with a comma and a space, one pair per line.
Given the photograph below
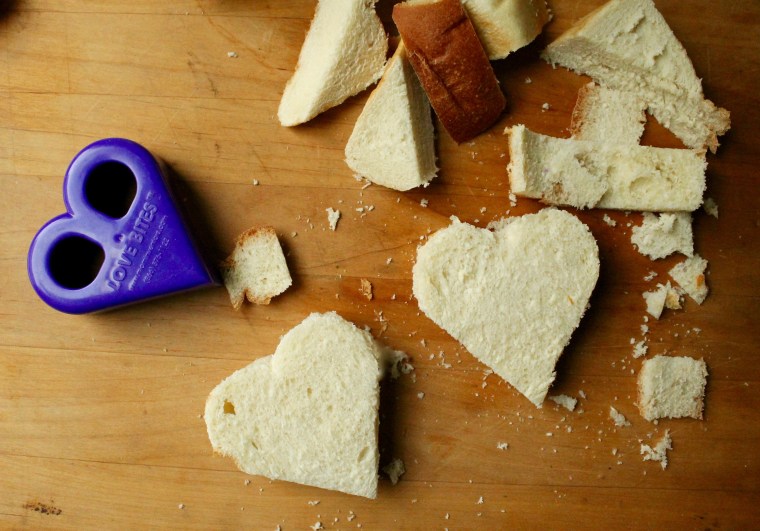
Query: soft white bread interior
584, 174
393, 141
344, 52
309, 412
504, 26
672, 387
627, 45
513, 296
690, 275
661, 235
607, 116
256, 269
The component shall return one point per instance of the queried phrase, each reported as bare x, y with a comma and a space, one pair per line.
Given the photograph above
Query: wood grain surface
100, 415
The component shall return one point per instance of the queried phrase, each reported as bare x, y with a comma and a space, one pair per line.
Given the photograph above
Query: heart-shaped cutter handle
144, 249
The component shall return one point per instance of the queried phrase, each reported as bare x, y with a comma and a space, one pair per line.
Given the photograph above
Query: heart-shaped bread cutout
121, 216
513, 296
309, 412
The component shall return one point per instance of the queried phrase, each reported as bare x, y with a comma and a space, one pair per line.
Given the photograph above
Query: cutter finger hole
74, 262
110, 189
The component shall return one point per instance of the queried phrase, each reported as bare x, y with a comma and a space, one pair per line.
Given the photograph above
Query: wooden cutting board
100, 415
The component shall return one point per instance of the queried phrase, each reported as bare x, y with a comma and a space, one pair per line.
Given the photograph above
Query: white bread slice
663, 235
690, 275
393, 141
513, 296
607, 116
504, 26
627, 45
309, 412
256, 269
564, 171
344, 52
672, 387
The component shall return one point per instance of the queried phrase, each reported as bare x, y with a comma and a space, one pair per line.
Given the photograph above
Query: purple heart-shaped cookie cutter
122, 239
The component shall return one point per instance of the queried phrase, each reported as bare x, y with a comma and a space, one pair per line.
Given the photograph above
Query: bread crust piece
452, 66
229, 264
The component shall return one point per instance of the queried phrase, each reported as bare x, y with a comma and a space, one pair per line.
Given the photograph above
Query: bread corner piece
344, 52
393, 141
512, 297
607, 116
256, 270
309, 412
627, 45
672, 387
504, 26
452, 66
583, 174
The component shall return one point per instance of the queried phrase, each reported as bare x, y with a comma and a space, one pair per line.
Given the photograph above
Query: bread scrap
282, 417
672, 387
504, 26
607, 116
393, 141
512, 297
344, 52
256, 270
627, 45
563, 171
665, 296
690, 275
663, 235
451, 64
659, 452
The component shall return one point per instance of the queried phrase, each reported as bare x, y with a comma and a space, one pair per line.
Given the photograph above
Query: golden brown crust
578, 118
452, 66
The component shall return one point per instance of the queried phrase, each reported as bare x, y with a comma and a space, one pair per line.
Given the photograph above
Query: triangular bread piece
504, 26
393, 141
309, 412
627, 45
344, 52
513, 296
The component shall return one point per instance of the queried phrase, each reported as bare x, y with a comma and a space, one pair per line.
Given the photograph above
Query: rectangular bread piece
562, 171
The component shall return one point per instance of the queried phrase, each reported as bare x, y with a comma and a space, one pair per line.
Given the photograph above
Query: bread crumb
247, 482
388, 261
316, 526
480, 501
366, 289
640, 348
351, 516
423, 203
609, 221
660, 450
711, 207
502, 445
255, 182
512, 199
650, 275
332, 217
568, 402
582, 394
528, 81
181, 506
395, 469
549, 434
232, 54
618, 418
420, 395
545, 107
313, 502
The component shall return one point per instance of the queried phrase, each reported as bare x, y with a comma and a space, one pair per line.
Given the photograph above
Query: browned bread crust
452, 66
